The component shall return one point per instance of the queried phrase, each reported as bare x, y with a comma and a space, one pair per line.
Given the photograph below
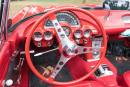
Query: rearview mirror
116, 5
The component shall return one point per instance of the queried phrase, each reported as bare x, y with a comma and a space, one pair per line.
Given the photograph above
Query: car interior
66, 46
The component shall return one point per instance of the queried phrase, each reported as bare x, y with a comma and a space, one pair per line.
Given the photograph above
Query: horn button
70, 50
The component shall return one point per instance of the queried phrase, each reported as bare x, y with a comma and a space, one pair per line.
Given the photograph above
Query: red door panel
4, 61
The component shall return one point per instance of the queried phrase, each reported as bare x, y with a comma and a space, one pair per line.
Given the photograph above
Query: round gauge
67, 31
87, 33
48, 35
37, 36
78, 33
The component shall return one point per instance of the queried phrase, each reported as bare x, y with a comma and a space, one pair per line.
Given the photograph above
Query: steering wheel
69, 49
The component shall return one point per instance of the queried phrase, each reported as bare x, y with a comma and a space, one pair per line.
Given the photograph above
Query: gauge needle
38, 54
67, 29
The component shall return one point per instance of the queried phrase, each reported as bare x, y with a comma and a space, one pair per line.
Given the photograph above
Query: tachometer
67, 31
67, 17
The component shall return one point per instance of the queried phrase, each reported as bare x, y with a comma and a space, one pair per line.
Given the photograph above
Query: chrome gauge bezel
68, 30
87, 33
37, 37
48, 37
76, 33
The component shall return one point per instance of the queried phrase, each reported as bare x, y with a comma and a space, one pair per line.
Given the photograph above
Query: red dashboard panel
4, 61
111, 27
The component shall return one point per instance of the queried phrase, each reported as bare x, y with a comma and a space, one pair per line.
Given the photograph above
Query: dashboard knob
9, 82
49, 44
39, 44
85, 41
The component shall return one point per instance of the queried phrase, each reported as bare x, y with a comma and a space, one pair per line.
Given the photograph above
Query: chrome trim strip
38, 54
91, 60
6, 20
27, 11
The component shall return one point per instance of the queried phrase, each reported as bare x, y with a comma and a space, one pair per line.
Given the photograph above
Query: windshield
116, 5
17, 5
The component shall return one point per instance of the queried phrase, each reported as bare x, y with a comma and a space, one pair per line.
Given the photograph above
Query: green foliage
18, 4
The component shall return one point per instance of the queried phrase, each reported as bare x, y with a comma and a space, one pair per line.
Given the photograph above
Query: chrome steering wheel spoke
69, 49
82, 50
59, 66
61, 34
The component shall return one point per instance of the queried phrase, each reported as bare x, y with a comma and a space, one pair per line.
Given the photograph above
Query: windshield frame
4, 11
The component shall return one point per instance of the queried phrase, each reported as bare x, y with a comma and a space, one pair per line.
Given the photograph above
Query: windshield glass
116, 5
17, 5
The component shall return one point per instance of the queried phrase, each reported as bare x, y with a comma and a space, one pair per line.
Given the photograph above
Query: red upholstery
78, 62
88, 84
85, 84
126, 76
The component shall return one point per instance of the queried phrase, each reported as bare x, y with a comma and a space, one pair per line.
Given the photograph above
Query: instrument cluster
47, 36
39, 36
70, 24
79, 33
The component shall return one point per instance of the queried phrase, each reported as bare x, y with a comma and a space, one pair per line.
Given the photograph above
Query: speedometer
67, 17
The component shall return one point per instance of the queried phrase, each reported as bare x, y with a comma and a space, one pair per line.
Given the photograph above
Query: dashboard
77, 26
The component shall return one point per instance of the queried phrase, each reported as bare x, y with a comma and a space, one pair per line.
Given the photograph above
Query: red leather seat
85, 84
126, 77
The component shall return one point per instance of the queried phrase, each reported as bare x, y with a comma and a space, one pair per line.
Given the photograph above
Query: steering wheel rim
27, 45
